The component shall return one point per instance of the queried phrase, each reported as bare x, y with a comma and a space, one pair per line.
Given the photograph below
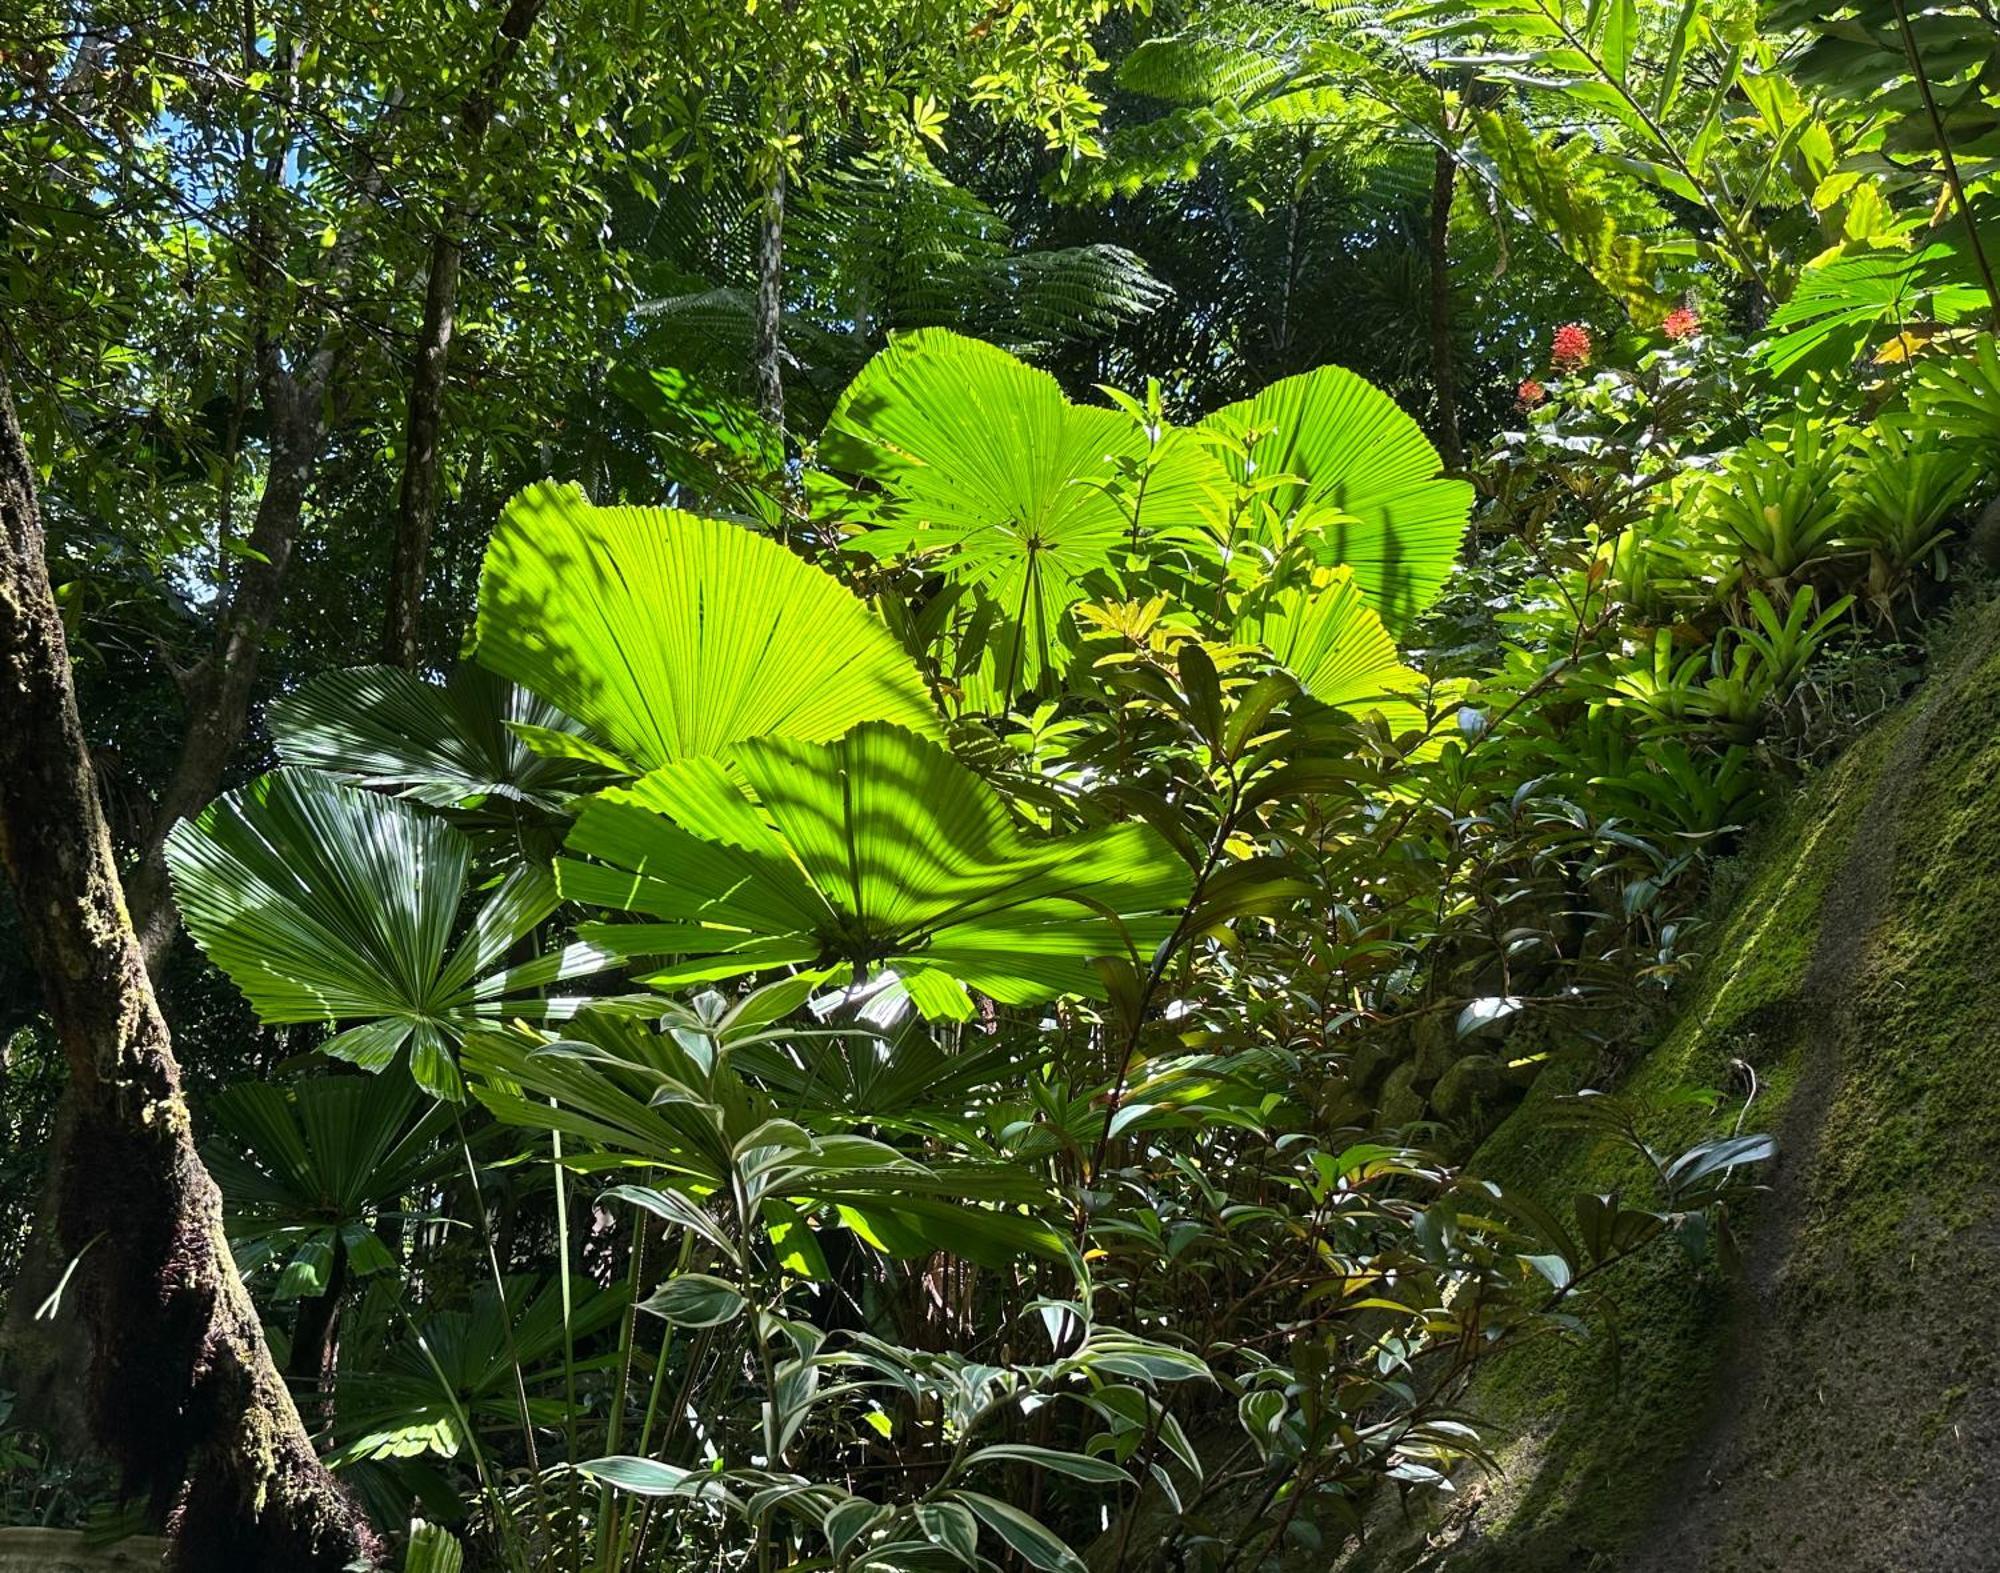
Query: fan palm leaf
448, 745
879, 849
1363, 479
1333, 642
669, 635
327, 904
302, 1167
994, 470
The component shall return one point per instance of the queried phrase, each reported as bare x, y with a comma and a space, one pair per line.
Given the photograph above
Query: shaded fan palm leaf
302, 1167
670, 635
393, 1405
449, 745
1366, 483
327, 904
877, 849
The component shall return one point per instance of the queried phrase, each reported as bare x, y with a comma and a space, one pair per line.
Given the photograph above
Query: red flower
1529, 394
1571, 351
1681, 324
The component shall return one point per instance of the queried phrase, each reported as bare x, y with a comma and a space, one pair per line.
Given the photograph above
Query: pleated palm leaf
328, 904
669, 636
449, 745
394, 1405
305, 1168
1009, 484
876, 850
1333, 642
1364, 482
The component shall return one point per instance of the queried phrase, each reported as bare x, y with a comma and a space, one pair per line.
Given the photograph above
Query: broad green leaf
328, 904
1364, 481
1332, 641
876, 849
671, 636
445, 745
1081, 1466
993, 470
1027, 1537
695, 1300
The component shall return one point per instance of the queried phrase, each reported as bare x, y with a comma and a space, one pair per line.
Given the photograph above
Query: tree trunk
219, 688
183, 1393
768, 349
417, 494
311, 1365
1444, 376
416, 497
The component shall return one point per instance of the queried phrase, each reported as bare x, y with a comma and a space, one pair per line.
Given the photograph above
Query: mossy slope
1835, 1407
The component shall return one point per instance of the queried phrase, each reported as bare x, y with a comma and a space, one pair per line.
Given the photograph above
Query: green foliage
670, 636
326, 904
879, 849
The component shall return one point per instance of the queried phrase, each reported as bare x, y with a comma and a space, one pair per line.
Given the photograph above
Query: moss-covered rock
1834, 1406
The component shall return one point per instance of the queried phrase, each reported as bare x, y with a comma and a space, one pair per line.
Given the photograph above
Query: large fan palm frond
879, 849
327, 904
995, 471
303, 1166
1333, 642
449, 745
672, 636
1365, 482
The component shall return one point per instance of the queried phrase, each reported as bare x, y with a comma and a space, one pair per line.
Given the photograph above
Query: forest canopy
808, 786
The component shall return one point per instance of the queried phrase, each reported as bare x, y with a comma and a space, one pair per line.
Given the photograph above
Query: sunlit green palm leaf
1332, 641
443, 744
670, 635
877, 849
991, 467
328, 904
1367, 483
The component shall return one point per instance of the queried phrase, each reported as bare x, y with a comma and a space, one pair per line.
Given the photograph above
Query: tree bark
1444, 374
417, 493
314, 1338
767, 351
218, 689
183, 1393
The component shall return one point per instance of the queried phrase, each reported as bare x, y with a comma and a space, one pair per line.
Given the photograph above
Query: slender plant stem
1950, 163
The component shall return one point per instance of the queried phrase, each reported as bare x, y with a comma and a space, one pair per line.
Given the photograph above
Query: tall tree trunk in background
1444, 375
183, 1394
311, 1366
767, 350
218, 688
417, 494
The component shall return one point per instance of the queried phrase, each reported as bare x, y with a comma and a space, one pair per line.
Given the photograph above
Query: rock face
1836, 1405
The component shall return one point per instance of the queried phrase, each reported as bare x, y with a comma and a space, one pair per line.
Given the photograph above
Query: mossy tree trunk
183, 1392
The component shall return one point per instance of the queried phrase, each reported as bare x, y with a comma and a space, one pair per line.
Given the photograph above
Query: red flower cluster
1529, 394
1571, 350
1681, 323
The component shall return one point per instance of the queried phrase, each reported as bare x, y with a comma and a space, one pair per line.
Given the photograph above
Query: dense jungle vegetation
793, 785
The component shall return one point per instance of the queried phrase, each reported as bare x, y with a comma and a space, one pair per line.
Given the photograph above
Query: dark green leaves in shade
328, 904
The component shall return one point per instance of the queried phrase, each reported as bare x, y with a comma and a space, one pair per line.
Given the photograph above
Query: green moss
1914, 1131
1592, 1423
